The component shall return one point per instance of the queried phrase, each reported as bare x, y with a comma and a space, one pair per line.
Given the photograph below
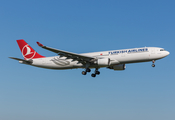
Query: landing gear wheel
153, 65
88, 70
93, 75
97, 72
83, 72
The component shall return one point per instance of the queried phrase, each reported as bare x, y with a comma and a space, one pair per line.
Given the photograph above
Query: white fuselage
123, 56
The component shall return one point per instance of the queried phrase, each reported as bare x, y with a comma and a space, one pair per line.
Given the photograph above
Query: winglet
39, 44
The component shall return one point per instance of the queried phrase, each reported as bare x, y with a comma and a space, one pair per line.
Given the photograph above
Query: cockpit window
162, 49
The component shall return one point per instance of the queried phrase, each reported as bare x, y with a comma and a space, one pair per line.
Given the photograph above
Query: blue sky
80, 26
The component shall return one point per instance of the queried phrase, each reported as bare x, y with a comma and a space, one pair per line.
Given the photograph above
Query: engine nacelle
103, 62
118, 67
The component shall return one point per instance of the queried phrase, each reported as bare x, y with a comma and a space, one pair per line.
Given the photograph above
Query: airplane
113, 59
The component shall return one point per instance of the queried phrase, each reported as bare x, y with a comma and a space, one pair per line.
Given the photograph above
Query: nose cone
167, 53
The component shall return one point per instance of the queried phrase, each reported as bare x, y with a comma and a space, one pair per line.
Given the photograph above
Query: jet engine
118, 67
103, 62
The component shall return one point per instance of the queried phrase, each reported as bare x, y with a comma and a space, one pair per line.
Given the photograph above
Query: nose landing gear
153, 65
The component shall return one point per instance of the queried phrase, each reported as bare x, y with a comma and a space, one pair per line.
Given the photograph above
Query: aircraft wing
69, 55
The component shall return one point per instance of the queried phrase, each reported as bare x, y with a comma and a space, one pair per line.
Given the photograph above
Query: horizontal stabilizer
22, 60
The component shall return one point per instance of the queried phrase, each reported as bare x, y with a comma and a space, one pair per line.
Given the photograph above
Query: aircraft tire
153, 65
97, 72
93, 75
83, 72
88, 70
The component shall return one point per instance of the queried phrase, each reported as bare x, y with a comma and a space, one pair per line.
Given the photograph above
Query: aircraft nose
167, 53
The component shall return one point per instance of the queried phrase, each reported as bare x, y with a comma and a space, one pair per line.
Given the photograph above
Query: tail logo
27, 52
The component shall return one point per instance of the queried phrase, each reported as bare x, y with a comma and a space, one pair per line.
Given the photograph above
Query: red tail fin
27, 51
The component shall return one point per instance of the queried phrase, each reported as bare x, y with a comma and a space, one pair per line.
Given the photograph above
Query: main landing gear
153, 65
89, 70
96, 73
85, 72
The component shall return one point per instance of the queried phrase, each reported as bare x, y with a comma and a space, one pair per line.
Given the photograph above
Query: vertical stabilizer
27, 51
